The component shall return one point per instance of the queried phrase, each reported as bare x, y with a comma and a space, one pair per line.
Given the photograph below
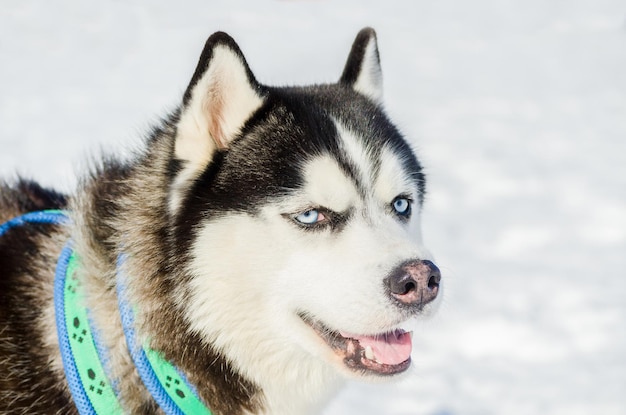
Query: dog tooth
369, 353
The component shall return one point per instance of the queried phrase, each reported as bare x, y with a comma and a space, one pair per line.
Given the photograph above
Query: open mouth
383, 354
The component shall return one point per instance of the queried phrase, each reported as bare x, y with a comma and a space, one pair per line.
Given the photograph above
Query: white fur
392, 180
328, 186
370, 79
253, 274
235, 308
220, 104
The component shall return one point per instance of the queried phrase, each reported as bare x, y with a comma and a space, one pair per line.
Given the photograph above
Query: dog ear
222, 95
362, 71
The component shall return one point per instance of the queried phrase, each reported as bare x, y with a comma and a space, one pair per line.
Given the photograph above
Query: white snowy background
517, 109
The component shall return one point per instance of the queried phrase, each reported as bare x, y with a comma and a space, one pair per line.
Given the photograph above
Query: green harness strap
88, 362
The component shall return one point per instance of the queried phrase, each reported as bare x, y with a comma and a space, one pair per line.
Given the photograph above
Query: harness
85, 360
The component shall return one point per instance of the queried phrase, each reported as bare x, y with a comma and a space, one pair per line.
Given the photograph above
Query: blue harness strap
81, 353
168, 386
84, 357
47, 217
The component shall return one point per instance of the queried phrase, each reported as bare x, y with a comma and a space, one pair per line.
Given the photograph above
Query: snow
517, 109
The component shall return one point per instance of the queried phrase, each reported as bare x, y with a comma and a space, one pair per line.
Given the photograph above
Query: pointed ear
220, 98
222, 95
362, 71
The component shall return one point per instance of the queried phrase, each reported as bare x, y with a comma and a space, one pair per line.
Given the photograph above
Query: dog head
298, 209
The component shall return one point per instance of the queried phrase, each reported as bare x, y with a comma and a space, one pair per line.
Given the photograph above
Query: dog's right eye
402, 206
310, 217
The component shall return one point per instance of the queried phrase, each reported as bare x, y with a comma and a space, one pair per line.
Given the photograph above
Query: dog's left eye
402, 206
310, 217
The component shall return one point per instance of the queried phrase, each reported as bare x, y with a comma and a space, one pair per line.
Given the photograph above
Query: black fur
355, 59
216, 39
26, 380
299, 122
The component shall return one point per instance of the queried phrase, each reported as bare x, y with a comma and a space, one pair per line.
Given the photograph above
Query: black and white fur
231, 285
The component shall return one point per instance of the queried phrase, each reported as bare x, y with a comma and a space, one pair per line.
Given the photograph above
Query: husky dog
271, 247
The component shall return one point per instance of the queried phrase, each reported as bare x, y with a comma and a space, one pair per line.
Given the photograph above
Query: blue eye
402, 206
310, 217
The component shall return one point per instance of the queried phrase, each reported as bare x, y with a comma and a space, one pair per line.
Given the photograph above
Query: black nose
414, 282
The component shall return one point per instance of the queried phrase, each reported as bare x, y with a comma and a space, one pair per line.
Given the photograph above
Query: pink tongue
390, 348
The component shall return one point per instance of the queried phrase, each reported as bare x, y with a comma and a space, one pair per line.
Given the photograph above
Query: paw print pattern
72, 284
95, 385
79, 333
174, 383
